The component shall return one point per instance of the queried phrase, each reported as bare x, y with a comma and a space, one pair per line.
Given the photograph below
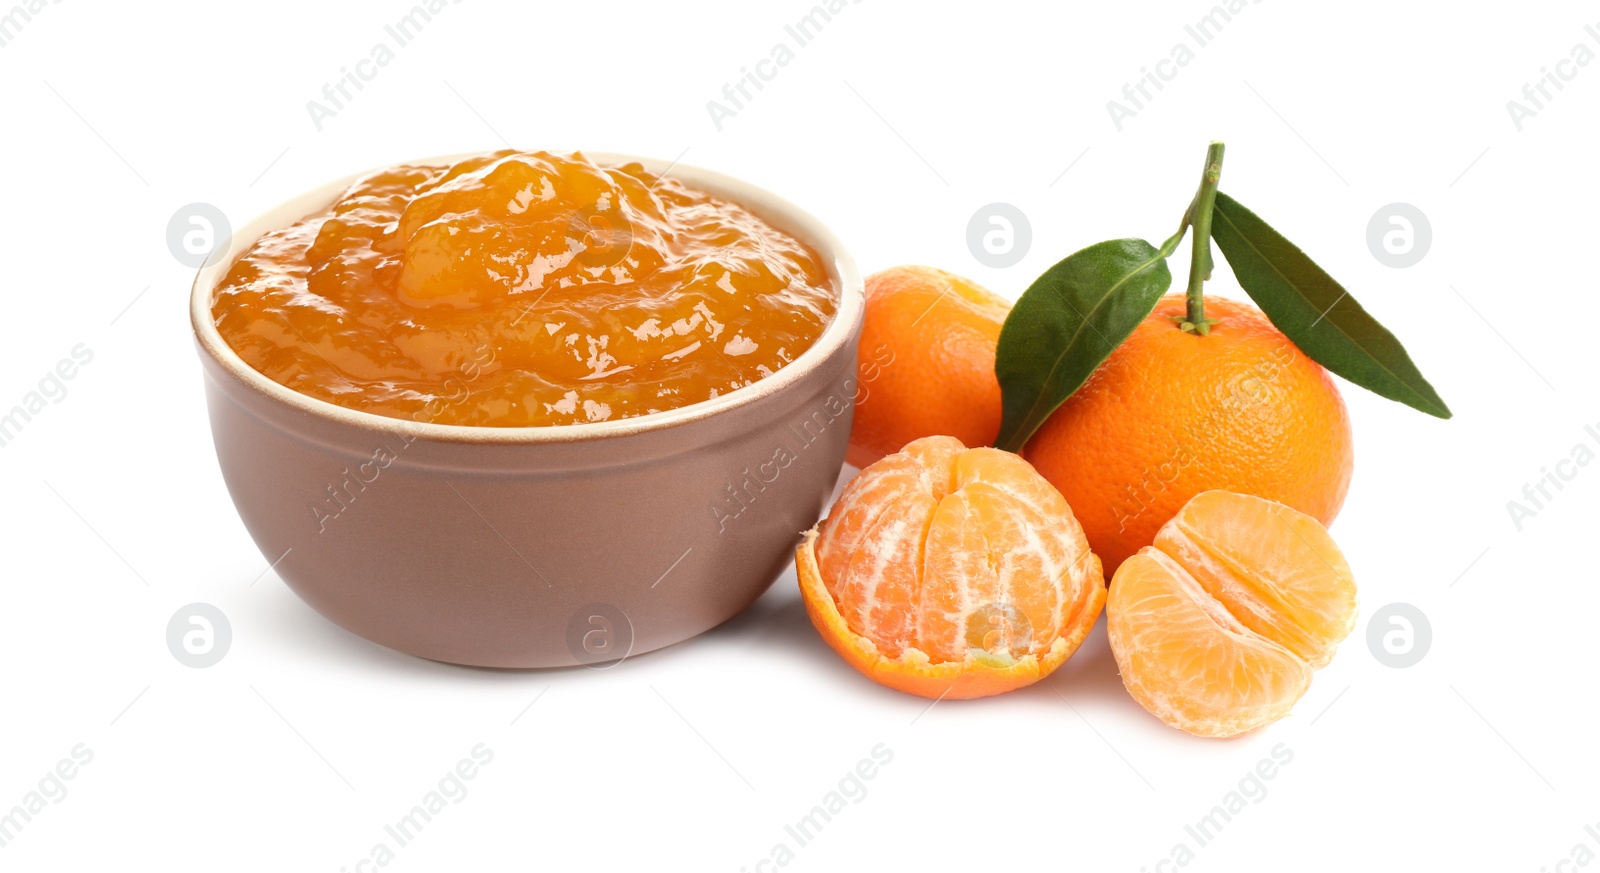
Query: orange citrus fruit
1217, 627
1171, 414
926, 362
949, 571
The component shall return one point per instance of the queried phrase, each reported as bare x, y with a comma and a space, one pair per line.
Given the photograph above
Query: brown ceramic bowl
536, 546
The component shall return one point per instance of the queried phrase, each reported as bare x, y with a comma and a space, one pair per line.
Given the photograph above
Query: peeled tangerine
1217, 627
949, 571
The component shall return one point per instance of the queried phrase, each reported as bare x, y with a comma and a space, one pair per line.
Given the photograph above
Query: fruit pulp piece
1187, 660
1275, 570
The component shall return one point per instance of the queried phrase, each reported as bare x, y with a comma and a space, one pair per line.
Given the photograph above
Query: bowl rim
776, 210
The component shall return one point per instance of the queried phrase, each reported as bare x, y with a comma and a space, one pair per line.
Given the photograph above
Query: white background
894, 125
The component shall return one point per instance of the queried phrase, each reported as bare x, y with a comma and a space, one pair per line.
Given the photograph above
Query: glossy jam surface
516, 289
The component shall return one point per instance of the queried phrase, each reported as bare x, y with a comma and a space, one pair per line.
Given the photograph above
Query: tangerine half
1217, 626
949, 571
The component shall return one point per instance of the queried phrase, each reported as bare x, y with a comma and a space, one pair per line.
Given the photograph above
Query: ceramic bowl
536, 546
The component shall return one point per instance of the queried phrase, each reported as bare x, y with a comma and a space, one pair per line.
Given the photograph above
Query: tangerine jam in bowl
530, 410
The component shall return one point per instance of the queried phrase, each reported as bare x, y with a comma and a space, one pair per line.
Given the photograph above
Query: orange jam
515, 289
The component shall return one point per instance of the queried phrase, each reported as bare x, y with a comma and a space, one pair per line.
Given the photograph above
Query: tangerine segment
1218, 627
1294, 588
1187, 660
944, 570
872, 557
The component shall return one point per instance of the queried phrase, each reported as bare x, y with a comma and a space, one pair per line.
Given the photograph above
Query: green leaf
1316, 312
1066, 323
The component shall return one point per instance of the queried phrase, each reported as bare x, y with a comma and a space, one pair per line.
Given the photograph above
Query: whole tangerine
927, 349
1171, 413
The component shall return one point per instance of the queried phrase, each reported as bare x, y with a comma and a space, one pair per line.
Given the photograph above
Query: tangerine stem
1199, 267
